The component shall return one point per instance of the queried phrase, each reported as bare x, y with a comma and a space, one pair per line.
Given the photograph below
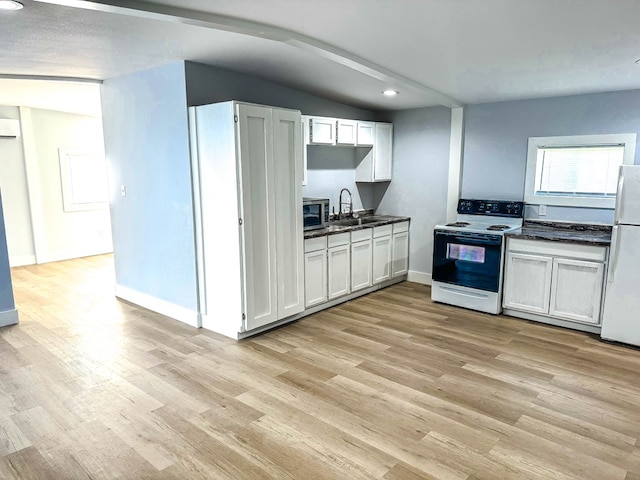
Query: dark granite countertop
335, 227
589, 234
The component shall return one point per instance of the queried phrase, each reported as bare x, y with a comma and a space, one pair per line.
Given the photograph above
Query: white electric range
468, 254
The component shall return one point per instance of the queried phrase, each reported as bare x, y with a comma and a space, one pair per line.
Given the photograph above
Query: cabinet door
400, 263
315, 278
287, 160
382, 152
381, 259
345, 132
255, 135
339, 269
322, 131
361, 263
527, 282
364, 136
576, 290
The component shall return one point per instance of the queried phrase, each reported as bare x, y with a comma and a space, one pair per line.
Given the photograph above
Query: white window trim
67, 188
626, 139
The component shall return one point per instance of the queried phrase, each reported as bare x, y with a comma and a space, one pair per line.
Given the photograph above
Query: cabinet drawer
400, 227
314, 244
558, 249
339, 239
382, 231
361, 235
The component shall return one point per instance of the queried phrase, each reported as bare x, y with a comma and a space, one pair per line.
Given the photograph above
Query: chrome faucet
340, 203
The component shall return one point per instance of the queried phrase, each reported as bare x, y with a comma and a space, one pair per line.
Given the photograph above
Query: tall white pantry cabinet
247, 175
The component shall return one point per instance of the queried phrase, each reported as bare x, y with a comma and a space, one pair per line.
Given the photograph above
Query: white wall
62, 235
32, 194
15, 198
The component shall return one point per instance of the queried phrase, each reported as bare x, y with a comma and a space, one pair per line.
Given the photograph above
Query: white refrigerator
621, 316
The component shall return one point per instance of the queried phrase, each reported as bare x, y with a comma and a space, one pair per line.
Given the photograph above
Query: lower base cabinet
563, 281
382, 243
339, 269
337, 265
361, 259
400, 249
315, 271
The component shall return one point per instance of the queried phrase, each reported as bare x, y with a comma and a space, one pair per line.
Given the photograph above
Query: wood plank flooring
389, 386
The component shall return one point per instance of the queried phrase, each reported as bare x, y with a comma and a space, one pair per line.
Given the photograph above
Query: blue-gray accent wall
496, 136
6, 287
147, 149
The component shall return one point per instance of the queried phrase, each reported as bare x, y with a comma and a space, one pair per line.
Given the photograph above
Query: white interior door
255, 138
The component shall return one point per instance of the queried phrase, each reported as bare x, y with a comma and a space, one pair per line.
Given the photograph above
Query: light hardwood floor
388, 386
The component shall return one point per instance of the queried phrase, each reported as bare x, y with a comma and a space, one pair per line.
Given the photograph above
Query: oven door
468, 259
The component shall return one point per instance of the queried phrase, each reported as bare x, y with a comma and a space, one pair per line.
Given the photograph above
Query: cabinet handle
613, 255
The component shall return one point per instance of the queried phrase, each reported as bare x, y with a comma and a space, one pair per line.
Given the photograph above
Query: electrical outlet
123, 191
542, 210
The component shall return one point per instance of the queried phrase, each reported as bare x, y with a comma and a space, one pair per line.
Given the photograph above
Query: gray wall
147, 148
206, 84
420, 168
496, 136
6, 287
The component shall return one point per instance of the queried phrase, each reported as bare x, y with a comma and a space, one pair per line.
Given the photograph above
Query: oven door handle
473, 239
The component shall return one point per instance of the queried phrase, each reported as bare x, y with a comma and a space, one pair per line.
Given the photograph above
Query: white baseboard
21, 260
10, 317
69, 254
157, 305
419, 277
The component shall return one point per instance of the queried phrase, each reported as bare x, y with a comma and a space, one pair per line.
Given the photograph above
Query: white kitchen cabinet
527, 282
554, 280
365, 134
315, 271
576, 291
382, 251
304, 130
322, 131
361, 259
375, 164
345, 132
400, 249
247, 174
339, 265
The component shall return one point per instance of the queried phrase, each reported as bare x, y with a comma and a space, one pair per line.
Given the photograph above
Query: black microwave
315, 213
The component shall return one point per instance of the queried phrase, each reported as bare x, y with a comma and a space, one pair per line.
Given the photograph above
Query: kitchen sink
352, 222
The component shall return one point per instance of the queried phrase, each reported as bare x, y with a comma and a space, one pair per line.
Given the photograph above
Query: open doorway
53, 176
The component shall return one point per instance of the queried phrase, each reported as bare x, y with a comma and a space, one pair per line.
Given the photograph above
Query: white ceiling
436, 52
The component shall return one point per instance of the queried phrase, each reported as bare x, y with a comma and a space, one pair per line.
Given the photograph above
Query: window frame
628, 140
68, 201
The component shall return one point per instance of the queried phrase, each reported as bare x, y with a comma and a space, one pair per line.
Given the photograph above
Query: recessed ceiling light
390, 93
10, 5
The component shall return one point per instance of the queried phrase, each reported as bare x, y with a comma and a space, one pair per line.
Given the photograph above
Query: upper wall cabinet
374, 162
346, 132
322, 131
365, 132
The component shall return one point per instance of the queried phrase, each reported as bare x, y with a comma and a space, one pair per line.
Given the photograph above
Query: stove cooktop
484, 216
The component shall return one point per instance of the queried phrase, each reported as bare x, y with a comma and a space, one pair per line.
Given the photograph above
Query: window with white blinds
577, 171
